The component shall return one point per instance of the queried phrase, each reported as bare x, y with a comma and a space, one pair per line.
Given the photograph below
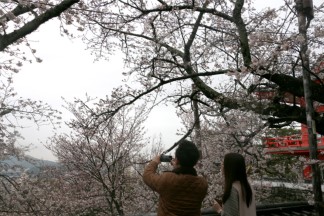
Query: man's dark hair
187, 153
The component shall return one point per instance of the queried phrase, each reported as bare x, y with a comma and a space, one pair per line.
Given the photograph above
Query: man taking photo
181, 191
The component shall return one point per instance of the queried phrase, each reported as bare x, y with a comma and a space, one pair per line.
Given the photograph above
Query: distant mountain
13, 166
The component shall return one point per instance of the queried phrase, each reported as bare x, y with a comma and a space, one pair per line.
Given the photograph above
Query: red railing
279, 142
287, 141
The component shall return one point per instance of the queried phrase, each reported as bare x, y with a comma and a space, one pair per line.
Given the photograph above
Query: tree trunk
312, 140
197, 120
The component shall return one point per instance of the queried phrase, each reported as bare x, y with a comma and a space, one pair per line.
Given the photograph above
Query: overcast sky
68, 70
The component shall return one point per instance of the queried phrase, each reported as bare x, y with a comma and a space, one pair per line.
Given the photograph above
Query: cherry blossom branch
8, 39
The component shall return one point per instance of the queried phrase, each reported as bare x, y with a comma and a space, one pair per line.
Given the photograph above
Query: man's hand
157, 159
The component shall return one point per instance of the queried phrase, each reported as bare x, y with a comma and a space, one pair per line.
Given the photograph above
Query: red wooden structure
295, 144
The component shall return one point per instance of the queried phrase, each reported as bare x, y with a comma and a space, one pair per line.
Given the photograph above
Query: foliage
286, 131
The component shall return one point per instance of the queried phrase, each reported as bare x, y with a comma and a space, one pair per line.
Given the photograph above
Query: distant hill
13, 166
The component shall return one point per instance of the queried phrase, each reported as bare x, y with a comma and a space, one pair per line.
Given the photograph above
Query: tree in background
17, 113
244, 132
101, 164
17, 20
231, 131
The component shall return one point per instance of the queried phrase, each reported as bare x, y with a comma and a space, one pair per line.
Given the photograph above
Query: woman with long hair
238, 198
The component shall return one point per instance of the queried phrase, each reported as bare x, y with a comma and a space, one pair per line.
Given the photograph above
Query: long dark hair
235, 170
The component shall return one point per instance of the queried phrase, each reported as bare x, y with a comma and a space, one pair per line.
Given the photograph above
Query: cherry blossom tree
20, 18
103, 164
205, 43
17, 113
243, 132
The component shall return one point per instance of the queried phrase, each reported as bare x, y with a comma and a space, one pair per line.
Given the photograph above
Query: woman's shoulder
236, 185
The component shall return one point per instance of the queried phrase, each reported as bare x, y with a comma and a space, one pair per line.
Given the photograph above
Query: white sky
68, 70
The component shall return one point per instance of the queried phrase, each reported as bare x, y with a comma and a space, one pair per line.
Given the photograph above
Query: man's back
180, 194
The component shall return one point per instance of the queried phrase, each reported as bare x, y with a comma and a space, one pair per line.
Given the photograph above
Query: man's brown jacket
180, 195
